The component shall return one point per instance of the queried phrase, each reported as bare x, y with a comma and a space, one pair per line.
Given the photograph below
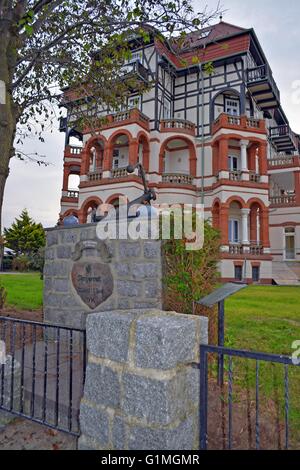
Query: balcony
254, 249
72, 151
177, 125
123, 118
72, 194
254, 177
263, 87
283, 138
176, 178
136, 70
119, 173
285, 200
284, 161
95, 176
239, 123
235, 175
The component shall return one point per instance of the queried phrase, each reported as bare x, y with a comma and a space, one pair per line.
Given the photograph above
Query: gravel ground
25, 435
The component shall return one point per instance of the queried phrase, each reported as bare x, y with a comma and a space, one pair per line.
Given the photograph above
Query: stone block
166, 341
68, 236
94, 423
64, 252
129, 249
119, 433
108, 334
154, 401
152, 249
129, 288
145, 270
179, 438
102, 386
52, 237
61, 285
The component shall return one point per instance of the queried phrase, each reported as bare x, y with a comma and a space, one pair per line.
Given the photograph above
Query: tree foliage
25, 237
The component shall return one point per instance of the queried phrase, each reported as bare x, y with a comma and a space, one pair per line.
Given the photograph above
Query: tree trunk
8, 110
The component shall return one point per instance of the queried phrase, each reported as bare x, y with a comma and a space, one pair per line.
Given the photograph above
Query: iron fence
42, 372
255, 407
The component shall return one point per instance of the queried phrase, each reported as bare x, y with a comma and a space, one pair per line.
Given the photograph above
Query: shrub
191, 275
21, 263
37, 261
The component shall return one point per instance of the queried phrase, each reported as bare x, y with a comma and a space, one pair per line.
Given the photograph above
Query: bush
21, 263
190, 275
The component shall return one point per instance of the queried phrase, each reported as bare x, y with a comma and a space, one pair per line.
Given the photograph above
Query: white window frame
116, 159
134, 102
166, 109
234, 229
286, 235
231, 159
230, 106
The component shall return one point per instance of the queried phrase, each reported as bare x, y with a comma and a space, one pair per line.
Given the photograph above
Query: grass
24, 291
267, 319
264, 318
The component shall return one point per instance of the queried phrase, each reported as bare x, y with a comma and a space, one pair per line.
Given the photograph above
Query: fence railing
42, 372
244, 411
177, 178
283, 200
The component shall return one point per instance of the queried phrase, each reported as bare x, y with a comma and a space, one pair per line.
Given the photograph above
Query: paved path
25, 435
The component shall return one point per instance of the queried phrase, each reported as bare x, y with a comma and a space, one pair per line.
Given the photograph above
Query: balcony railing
119, 172
283, 138
254, 177
235, 249
95, 176
242, 123
181, 125
130, 116
135, 68
283, 200
235, 175
254, 249
73, 151
283, 161
174, 178
261, 74
72, 194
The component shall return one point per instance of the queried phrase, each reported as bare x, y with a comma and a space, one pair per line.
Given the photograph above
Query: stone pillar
245, 230
133, 152
6, 417
66, 178
244, 160
223, 158
142, 381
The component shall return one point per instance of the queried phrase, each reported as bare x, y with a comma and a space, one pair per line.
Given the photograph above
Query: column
223, 226
253, 225
66, 180
263, 162
85, 163
133, 152
107, 161
244, 160
223, 159
264, 230
245, 230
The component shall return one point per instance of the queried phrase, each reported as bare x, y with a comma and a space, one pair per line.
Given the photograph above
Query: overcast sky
277, 26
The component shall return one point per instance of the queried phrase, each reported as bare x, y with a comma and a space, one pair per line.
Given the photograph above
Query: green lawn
264, 318
267, 319
24, 291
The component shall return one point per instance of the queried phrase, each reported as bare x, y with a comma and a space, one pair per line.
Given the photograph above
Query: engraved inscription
93, 282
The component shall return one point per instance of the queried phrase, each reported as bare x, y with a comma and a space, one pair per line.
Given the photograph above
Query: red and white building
222, 138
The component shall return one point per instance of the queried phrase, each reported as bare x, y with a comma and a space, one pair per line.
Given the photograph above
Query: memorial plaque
93, 282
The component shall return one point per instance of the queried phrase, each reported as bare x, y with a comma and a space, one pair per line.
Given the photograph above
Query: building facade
222, 138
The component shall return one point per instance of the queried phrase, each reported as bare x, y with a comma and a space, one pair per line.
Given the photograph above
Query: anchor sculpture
146, 198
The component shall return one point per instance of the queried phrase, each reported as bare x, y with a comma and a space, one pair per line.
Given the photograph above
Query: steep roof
213, 33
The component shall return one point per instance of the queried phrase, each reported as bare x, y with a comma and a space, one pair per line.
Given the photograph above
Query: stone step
284, 275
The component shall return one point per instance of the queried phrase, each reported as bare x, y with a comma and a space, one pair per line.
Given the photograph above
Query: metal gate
255, 406
42, 372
